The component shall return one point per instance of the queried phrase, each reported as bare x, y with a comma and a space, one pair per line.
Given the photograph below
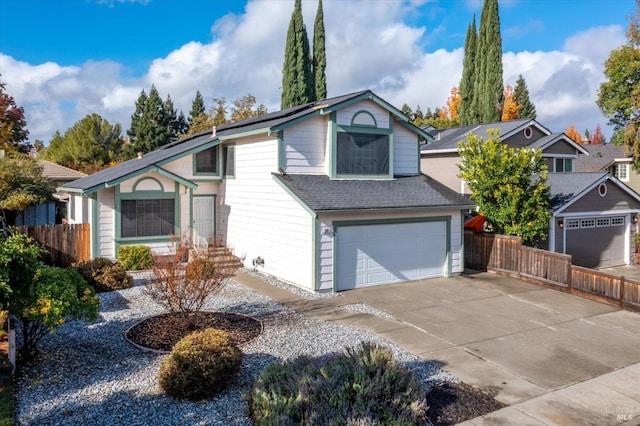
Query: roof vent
140, 156
213, 132
528, 132
438, 136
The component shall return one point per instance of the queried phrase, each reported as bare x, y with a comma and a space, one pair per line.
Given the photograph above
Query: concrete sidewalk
553, 357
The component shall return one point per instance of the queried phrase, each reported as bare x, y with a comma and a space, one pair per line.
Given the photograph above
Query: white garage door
371, 255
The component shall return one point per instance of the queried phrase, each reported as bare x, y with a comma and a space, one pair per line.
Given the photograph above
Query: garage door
389, 253
596, 242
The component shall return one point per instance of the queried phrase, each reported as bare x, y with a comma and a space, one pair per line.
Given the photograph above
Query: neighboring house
327, 196
594, 218
610, 158
52, 211
594, 214
439, 159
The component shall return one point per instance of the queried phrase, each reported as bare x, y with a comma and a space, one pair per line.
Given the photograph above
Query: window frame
137, 216
618, 168
225, 161
564, 161
216, 163
362, 129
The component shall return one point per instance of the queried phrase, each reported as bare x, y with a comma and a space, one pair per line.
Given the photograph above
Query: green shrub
361, 386
104, 274
200, 365
135, 258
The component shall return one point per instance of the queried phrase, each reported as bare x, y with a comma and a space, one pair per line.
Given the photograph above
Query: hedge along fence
506, 254
66, 243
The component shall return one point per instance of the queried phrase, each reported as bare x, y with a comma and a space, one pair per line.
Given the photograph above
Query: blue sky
64, 59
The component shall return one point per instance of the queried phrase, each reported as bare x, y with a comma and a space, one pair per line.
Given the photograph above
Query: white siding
345, 115
326, 240
106, 224
74, 209
304, 147
262, 220
405, 151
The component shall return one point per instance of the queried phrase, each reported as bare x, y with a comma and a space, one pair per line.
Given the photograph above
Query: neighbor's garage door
596, 242
381, 254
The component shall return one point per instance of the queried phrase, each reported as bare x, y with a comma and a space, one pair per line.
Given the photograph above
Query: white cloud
374, 51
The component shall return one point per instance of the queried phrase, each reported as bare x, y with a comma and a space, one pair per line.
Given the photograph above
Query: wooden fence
506, 254
66, 243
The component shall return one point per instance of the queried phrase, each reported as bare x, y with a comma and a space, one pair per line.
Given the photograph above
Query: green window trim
218, 163
229, 151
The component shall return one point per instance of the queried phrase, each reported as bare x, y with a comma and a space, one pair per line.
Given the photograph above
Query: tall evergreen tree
488, 90
197, 107
136, 117
153, 127
319, 55
297, 73
467, 116
526, 108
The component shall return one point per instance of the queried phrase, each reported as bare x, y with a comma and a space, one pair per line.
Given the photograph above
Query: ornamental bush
361, 386
135, 258
104, 274
200, 365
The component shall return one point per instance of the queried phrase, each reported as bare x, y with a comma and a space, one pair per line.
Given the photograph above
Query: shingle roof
600, 156
449, 138
565, 187
194, 143
320, 193
57, 172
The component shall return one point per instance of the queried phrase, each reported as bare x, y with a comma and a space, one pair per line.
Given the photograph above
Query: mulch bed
452, 403
162, 332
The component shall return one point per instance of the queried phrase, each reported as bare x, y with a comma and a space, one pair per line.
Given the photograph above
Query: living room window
147, 218
362, 153
564, 165
206, 162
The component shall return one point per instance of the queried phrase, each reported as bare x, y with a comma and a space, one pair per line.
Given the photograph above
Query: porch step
224, 259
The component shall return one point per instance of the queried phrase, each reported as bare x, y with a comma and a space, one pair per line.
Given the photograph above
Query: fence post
622, 291
569, 276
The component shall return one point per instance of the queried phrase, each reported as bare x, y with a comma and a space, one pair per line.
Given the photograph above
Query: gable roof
446, 140
322, 194
57, 172
269, 123
600, 157
552, 138
567, 188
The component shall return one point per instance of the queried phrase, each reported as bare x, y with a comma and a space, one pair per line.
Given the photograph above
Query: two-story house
328, 196
593, 213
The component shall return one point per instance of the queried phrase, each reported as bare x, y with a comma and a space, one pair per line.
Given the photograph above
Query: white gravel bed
309, 295
88, 374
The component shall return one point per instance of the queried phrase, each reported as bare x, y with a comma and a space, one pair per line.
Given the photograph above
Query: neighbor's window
622, 172
362, 154
147, 218
229, 161
207, 161
564, 165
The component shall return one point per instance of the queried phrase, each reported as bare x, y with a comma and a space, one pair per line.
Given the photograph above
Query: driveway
513, 339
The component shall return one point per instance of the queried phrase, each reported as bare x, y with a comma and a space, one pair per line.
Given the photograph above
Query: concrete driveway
516, 340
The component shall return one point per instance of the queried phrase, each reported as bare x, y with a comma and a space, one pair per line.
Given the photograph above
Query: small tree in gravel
185, 288
40, 296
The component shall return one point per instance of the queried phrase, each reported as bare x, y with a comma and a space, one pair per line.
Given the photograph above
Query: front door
204, 208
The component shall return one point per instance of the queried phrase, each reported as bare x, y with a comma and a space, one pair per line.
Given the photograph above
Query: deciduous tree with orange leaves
510, 108
573, 133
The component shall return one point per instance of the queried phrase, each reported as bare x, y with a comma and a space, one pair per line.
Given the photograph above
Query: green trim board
192, 151
364, 112
151, 178
94, 225
446, 268
283, 126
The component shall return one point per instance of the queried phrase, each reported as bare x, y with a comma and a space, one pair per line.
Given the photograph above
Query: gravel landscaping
89, 373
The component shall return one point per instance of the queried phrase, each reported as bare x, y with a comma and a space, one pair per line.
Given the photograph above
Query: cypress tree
297, 74
468, 76
526, 108
197, 107
489, 89
319, 55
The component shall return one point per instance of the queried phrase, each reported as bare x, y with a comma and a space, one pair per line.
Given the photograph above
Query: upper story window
564, 165
229, 161
362, 153
622, 172
206, 162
